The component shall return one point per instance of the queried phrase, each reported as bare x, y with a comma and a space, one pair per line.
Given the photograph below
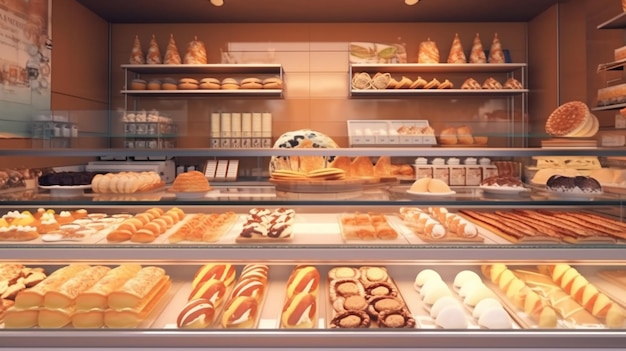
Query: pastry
154, 54
136, 54
471, 84
273, 83
400, 318
433, 84
169, 84
138, 84
154, 84
65, 295
210, 83
381, 288
230, 84
424, 276
362, 81
568, 118
451, 317
371, 275
345, 288
428, 52
446, 84
477, 54
404, 83
577, 184
382, 168
300, 311
303, 279
96, 296
241, 312
496, 55
350, 303
34, 297
464, 135
196, 53
252, 287
381, 81
344, 273
465, 276
448, 137
172, 57
491, 83
361, 166
512, 83
136, 291
251, 83
192, 181
419, 83
213, 290
351, 319
188, 84
196, 314
220, 271
379, 304
457, 55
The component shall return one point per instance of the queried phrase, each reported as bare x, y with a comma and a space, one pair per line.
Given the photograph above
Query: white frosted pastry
470, 286
495, 318
424, 276
464, 276
432, 284
435, 293
475, 296
484, 305
451, 317
443, 303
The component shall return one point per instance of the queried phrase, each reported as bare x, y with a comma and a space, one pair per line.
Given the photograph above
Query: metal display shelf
395, 93
205, 93
617, 22
209, 68
439, 67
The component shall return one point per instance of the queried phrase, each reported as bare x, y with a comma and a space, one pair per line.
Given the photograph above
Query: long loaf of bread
137, 290
34, 297
66, 294
96, 296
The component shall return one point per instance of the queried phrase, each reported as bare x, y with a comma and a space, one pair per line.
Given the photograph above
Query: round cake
568, 118
192, 181
577, 184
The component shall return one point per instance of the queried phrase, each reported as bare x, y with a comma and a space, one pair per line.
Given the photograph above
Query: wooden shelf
210, 68
609, 107
391, 93
617, 22
439, 67
205, 93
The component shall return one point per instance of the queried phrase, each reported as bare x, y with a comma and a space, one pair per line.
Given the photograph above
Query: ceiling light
217, 2
411, 2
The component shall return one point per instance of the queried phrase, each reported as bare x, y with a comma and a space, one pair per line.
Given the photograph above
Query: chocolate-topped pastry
345, 288
350, 303
373, 275
587, 184
279, 230
380, 289
351, 319
502, 182
253, 229
378, 304
577, 184
396, 319
559, 182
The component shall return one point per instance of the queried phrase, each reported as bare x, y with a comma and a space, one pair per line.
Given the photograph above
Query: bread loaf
65, 295
96, 296
34, 297
138, 289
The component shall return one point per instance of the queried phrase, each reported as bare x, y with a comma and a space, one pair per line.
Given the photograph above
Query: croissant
457, 55
512, 83
478, 53
172, 57
471, 84
428, 52
196, 53
136, 54
491, 83
495, 52
154, 54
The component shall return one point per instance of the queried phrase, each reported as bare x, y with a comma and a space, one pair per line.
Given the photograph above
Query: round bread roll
138, 84
251, 83
169, 84
154, 84
448, 137
188, 84
230, 84
272, 83
464, 135
438, 186
210, 83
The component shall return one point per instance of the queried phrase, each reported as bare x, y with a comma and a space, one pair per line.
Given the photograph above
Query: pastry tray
399, 240
409, 230
318, 186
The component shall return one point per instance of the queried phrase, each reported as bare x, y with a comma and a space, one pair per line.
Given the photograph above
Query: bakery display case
253, 265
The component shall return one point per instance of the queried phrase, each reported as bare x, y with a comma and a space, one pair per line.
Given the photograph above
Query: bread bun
241, 313
464, 135
420, 185
230, 84
210, 83
220, 271
251, 83
169, 84
138, 84
272, 83
448, 137
154, 84
196, 314
188, 84
250, 287
193, 181
438, 186
213, 290
300, 311
303, 279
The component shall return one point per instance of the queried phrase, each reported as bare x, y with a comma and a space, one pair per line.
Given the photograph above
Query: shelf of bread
204, 93
438, 92
203, 68
439, 67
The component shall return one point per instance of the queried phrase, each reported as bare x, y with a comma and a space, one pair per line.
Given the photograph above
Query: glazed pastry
428, 52
400, 318
446, 85
351, 319
213, 290
419, 83
303, 279
471, 84
496, 55
241, 313
457, 55
196, 53
478, 52
300, 311
154, 53
172, 57
136, 55
196, 314
433, 84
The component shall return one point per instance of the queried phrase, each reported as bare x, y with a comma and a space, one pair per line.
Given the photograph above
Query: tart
350, 303
351, 319
380, 289
345, 288
400, 318
379, 304
371, 275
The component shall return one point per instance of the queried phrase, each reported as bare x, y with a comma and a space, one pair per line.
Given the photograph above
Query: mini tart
351, 319
344, 273
400, 318
379, 304
350, 303
371, 275
380, 289
345, 288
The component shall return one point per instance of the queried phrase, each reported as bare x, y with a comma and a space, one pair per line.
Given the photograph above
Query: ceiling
315, 11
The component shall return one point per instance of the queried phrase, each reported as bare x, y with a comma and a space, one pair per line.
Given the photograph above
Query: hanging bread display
154, 53
457, 55
196, 53
428, 52
496, 55
136, 54
478, 53
172, 57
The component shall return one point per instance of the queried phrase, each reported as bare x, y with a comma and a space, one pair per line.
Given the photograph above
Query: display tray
155, 188
66, 190
372, 237
504, 191
426, 194
319, 186
569, 142
216, 234
407, 229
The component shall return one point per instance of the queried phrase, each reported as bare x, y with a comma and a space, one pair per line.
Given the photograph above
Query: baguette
34, 297
66, 294
96, 296
138, 289
132, 317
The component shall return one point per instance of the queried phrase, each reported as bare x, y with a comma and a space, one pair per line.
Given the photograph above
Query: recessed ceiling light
217, 2
411, 2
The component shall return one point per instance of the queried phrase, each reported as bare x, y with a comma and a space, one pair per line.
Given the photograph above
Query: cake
465, 276
502, 182
577, 184
192, 181
495, 318
451, 317
425, 276
568, 119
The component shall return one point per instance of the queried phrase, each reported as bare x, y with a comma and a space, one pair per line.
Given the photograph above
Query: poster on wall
25, 64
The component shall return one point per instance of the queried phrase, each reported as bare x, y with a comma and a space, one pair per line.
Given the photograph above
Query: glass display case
559, 286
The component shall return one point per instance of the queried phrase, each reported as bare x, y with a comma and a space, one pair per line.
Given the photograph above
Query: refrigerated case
317, 240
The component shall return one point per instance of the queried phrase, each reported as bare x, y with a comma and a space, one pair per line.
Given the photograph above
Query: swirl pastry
404, 83
512, 83
433, 84
477, 54
471, 84
172, 57
419, 83
457, 55
446, 84
136, 54
491, 83
428, 52
196, 53
361, 81
496, 55
154, 53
